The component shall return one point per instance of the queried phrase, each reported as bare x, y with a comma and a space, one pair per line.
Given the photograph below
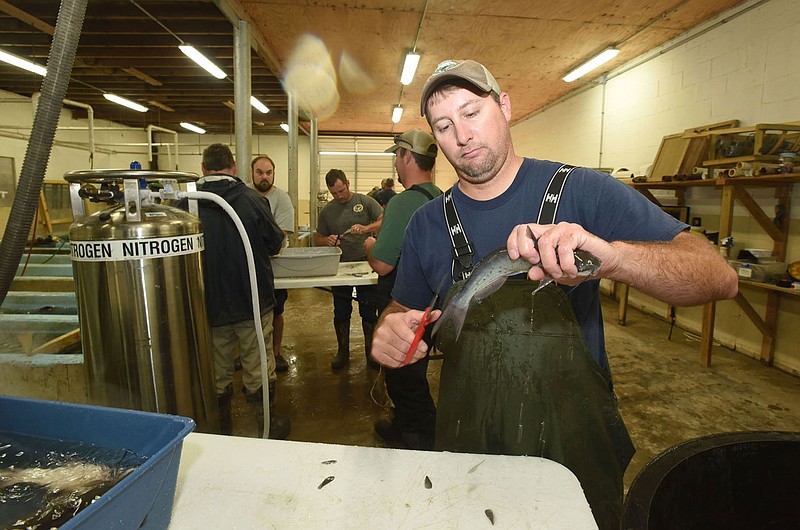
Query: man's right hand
395, 333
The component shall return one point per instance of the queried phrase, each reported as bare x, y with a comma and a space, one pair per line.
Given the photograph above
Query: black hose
54, 88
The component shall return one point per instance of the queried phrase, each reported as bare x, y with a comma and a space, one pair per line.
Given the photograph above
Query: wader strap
552, 196
386, 283
462, 249
417, 187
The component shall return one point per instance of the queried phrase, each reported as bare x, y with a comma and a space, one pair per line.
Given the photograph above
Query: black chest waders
407, 386
520, 380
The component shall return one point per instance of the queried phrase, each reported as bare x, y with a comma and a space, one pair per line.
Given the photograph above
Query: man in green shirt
414, 420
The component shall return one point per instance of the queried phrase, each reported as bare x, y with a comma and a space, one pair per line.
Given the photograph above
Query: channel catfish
491, 273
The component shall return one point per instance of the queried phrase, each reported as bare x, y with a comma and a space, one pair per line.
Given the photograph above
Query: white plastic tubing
251, 267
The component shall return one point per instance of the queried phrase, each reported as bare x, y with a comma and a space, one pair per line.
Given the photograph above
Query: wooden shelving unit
763, 144
734, 189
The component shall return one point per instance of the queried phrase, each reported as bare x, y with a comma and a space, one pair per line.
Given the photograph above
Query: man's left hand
554, 247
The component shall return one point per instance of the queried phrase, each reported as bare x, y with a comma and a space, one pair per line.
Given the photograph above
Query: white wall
116, 146
274, 146
71, 151
745, 69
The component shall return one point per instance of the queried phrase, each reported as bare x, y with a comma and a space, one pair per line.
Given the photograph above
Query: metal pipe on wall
90, 117
150, 143
241, 100
313, 184
293, 159
61, 143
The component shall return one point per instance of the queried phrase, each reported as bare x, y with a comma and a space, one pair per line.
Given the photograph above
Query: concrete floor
665, 396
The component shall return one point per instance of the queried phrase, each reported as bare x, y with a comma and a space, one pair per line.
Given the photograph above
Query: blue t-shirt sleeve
615, 211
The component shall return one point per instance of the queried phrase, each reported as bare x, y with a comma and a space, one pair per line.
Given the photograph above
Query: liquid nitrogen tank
141, 302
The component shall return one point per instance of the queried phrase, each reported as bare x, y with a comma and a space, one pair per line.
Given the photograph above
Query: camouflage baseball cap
468, 70
416, 141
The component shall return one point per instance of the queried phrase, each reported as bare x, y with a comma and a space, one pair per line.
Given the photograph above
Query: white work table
232, 482
350, 273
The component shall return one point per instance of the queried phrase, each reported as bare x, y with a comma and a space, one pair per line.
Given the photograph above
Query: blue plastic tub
144, 498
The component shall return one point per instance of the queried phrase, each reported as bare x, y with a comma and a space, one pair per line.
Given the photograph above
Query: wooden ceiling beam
143, 76
160, 105
26, 17
145, 41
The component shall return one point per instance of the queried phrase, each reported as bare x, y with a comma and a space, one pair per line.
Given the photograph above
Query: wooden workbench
734, 189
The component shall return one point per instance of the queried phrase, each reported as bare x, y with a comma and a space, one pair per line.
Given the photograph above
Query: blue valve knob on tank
136, 165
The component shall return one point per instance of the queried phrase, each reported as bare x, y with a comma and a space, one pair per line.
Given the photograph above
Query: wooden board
60, 343
680, 153
695, 155
669, 157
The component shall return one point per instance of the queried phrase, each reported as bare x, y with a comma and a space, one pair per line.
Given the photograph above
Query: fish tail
442, 318
459, 314
455, 312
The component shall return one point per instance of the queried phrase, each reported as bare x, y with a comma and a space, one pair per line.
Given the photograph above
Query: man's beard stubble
481, 171
484, 170
264, 186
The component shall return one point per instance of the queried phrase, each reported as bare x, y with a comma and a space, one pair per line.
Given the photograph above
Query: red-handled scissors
423, 323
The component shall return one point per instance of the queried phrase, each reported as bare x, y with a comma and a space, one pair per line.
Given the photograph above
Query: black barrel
748, 480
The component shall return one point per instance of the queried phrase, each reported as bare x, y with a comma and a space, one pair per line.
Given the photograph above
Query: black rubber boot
224, 404
280, 364
369, 329
279, 427
343, 338
256, 402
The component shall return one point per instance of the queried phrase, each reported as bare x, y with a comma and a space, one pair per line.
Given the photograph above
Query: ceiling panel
527, 45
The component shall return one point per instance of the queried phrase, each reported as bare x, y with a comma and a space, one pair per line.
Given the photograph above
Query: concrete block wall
742, 65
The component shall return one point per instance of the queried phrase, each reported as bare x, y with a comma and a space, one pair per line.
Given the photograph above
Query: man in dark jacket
227, 284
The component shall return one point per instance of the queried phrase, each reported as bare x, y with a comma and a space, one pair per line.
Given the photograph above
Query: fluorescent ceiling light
409, 68
591, 64
285, 127
25, 64
201, 59
125, 102
193, 128
258, 105
397, 113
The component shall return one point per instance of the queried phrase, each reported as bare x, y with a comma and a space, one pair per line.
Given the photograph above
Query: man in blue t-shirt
498, 196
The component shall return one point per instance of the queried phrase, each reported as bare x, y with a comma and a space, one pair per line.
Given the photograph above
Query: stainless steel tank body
141, 303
